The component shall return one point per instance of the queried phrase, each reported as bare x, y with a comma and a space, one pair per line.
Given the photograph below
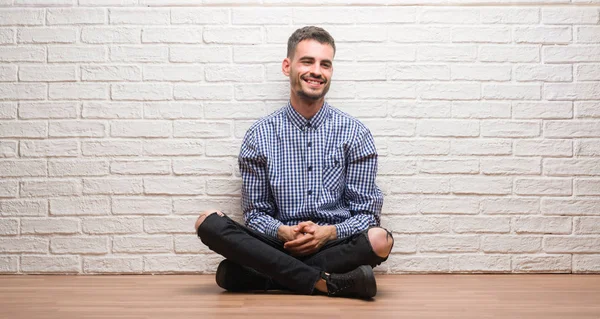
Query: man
309, 197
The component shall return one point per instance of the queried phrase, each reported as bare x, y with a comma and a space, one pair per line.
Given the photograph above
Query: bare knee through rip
381, 241
203, 216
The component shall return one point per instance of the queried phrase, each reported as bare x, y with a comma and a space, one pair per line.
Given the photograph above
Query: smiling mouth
313, 82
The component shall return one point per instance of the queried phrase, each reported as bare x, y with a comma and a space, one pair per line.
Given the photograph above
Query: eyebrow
306, 57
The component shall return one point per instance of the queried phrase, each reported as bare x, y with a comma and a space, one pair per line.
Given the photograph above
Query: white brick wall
121, 120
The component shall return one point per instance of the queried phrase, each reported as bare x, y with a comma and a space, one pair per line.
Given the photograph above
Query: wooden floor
399, 296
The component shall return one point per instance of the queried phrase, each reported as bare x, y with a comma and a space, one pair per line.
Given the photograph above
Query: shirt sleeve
258, 205
362, 195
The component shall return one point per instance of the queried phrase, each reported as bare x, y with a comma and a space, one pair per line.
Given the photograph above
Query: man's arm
363, 197
258, 204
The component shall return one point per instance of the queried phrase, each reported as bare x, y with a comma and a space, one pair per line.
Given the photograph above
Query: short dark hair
309, 33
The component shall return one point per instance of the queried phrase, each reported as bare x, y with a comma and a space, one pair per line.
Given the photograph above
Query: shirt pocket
333, 172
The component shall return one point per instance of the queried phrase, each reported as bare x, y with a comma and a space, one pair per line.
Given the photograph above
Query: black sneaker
359, 282
234, 277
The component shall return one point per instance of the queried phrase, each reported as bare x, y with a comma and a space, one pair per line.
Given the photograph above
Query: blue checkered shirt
322, 169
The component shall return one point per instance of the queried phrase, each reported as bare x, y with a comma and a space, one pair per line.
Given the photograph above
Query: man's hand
287, 233
311, 237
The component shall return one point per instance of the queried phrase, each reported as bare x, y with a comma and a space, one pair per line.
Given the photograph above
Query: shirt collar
301, 122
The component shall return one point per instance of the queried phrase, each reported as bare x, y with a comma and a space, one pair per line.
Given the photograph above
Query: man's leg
371, 247
242, 246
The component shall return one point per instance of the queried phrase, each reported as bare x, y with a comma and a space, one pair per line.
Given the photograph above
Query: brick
543, 186
22, 168
381, 15
569, 167
141, 129
420, 264
510, 129
111, 73
142, 91
358, 34
9, 227
8, 149
416, 72
24, 207
588, 186
450, 15
174, 186
8, 73
20, 16
76, 129
76, 54
550, 148
117, 265
121, 186
202, 167
588, 34
447, 53
139, 54
546, 264
230, 205
587, 147
571, 54
511, 244
177, 264
318, 16
480, 109
419, 147
565, 15
203, 92
173, 73
546, 73
457, 205
49, 226
448, 244
542, 110
77, 167
481, 34
48, 110
169, 225
80, 206
140, 167
387, 166
512, 91
572, 91
50, 264
572, 128
469, 224
513, 15
542, 225
111, 148
586, 225
43, 2
49, 148
228, 110
22, 91
373, 53
23, 245
98, 35
412, 34
480, 263
587, 72
8, 110
112, 110
481, 185
9, 189
79, 245
9, 264
444, 128
510, 166
233, 35
78, 91
501, 53
234, 73
172, 35
449, 166
22, 54
199, 16
112, 225
222, 147
546, 35
47, 35
570, 207
173, 147
76, 16
586, 263
261, 16
142, 244
587, 110
139, 16
562, 244
223, 186
406, 109
190, 245
478, 72
190, 54
187, 128
391, 127
420, 186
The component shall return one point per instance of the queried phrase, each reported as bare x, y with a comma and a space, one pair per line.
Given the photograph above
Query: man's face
310, 69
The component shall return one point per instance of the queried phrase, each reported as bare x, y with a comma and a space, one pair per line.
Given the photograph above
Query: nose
315, 70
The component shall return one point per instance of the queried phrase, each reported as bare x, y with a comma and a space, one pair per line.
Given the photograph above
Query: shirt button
309, 144
308, 124
310, 168
309, 192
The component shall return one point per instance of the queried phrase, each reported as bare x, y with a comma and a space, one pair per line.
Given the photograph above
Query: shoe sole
369, 281
221, 275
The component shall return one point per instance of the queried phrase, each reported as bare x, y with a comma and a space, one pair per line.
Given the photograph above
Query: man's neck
306, 108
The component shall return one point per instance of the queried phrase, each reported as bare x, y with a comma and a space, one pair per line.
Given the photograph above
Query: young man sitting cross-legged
310, 203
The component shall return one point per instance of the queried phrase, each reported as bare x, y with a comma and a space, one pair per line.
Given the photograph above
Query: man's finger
298, 241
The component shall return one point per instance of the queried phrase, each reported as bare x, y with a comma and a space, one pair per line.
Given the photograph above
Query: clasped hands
305, 238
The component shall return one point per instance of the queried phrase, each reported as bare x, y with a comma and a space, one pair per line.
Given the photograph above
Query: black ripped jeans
266, 254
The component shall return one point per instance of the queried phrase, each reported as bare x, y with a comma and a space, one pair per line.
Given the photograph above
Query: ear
285, 66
